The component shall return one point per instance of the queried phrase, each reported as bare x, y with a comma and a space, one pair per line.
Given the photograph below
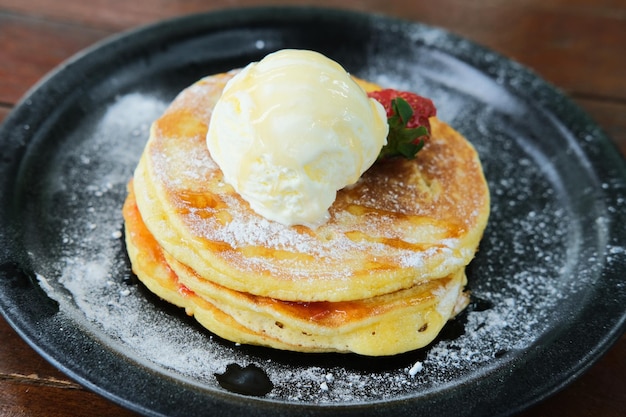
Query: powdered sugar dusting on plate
522, 275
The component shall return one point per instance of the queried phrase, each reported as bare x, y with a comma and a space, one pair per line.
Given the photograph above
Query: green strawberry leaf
402, 141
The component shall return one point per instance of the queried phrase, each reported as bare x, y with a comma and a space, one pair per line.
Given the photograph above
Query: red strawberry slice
407, 115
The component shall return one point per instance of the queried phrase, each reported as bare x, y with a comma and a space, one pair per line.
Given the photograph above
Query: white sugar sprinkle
523, 269
416, 368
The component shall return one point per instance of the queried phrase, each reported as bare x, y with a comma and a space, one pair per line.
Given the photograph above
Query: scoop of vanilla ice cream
291, 130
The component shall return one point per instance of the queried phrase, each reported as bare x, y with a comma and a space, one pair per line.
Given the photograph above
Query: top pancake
405, 221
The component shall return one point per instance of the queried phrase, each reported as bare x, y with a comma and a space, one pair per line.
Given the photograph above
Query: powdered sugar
537, 254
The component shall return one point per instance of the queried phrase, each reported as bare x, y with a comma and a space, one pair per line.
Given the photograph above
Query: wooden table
578, 45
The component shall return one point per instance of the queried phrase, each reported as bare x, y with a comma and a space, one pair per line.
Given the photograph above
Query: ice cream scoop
292, 129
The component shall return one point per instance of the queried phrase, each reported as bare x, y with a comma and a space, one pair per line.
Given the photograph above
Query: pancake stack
381, 277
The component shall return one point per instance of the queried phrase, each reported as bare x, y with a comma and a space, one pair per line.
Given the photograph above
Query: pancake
382, 325
404, 222
381, 277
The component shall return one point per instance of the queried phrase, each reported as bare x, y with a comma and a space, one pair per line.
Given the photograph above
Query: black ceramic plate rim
46, 341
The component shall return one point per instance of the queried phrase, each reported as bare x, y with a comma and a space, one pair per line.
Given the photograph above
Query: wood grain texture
601, 392
578, 45
30, 48
4, 111
30, 386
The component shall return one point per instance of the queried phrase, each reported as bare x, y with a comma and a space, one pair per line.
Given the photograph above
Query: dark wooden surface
578, 45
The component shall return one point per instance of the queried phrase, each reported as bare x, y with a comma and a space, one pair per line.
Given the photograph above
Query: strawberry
407, 115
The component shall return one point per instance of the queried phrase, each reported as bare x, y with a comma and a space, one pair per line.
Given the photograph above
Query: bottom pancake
383, 325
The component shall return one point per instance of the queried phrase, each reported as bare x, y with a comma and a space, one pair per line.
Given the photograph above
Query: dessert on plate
282, 205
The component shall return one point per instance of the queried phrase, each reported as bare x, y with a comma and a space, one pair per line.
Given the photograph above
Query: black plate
548, 290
